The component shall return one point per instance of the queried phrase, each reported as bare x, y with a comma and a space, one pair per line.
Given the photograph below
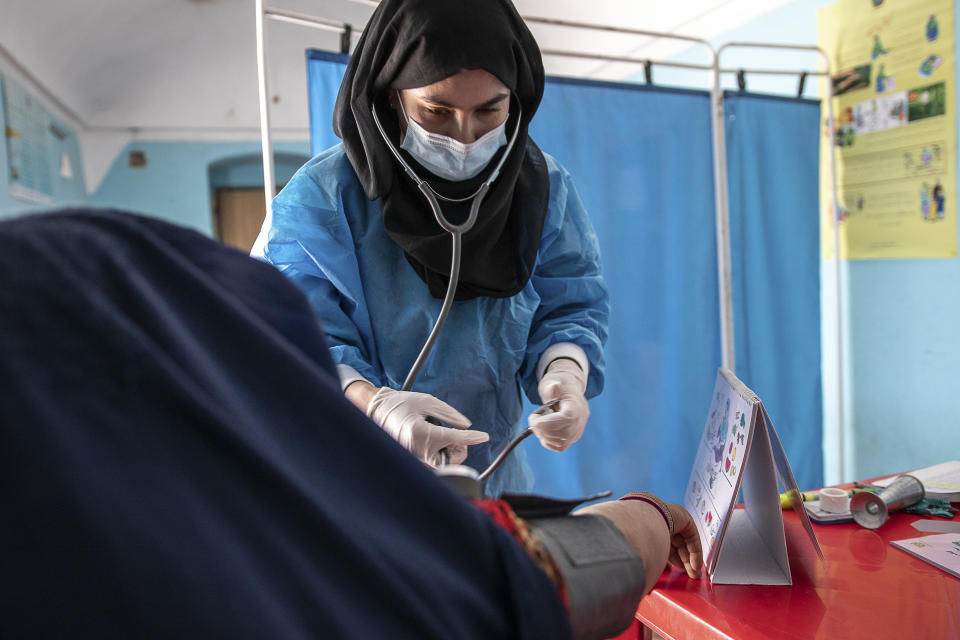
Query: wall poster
893, 71
28, 153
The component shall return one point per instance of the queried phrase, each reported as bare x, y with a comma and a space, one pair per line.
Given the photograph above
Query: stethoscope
456, 232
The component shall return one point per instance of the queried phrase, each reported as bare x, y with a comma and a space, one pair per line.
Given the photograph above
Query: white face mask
449, 158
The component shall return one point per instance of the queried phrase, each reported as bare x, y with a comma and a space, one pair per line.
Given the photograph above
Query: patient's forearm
643, 527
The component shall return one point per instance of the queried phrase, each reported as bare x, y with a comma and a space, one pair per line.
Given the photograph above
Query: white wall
175, 184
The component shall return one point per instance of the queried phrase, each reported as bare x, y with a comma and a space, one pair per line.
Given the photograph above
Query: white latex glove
565, 381
403, 414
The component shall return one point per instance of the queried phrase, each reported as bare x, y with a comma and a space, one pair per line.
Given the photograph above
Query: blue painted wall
178, 182
247, 170
905, 349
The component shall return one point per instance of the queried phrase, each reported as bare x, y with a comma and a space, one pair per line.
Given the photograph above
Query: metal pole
722, 220
303, 19
293, 17
614, 29
774, 72
269, 183
837, 216
611, 58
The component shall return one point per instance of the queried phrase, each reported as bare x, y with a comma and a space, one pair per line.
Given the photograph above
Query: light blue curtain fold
642, 162
773, 181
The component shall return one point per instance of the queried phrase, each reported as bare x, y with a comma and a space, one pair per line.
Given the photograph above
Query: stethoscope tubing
456, 233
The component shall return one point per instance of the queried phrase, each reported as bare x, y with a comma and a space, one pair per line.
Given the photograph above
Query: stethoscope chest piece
463, 479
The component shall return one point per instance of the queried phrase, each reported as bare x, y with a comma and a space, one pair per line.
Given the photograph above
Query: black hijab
413, 43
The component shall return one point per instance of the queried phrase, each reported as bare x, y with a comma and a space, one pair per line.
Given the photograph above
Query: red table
867, 588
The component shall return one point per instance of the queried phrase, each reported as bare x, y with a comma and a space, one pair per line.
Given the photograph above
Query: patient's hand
685, 551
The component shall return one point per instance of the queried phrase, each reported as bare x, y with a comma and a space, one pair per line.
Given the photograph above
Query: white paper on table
936, 526
939, 481
942, 551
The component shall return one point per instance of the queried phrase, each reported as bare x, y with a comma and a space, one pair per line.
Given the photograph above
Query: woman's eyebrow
443, 103
499, 98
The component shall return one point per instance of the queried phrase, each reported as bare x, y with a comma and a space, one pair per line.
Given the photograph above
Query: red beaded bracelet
659, 504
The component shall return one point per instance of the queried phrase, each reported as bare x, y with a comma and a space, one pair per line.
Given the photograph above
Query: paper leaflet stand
741, 449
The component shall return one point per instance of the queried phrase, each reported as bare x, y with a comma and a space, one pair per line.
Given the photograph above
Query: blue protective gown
329, 239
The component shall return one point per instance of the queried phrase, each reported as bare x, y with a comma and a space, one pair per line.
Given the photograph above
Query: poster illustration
27, 124
894, 125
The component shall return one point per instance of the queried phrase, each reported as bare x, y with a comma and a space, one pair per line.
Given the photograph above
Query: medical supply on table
814, 496
835, 509
939, 481
833, 500
932, 507
872, 510
805, 496
820, 516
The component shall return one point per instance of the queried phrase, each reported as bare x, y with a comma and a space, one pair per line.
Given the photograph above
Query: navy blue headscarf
177, 460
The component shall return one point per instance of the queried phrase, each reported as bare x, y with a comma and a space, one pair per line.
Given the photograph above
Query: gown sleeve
574, 303
309, 240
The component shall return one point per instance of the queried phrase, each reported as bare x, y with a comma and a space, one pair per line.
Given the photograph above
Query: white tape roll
833, 500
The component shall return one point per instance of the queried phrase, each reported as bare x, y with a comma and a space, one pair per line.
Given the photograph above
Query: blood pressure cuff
603, 574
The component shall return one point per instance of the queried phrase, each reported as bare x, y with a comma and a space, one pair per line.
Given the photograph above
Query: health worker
443, 92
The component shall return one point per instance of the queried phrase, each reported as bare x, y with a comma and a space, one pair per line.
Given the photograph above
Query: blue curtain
773, 181
642, 161
324, 72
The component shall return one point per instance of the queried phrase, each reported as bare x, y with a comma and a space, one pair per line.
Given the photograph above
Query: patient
178, 460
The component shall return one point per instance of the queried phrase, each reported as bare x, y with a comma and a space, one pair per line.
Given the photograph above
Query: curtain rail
307, 20
656, 35
611, 58
679, 65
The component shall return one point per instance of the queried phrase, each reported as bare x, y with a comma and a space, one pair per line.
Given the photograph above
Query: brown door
238, 216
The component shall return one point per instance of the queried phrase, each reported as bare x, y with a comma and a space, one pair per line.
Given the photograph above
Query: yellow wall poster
892, 63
